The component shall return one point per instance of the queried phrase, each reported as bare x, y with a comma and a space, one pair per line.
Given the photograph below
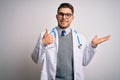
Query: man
61, 52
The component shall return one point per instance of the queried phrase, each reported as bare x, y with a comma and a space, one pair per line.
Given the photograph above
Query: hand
96, 40
47, 38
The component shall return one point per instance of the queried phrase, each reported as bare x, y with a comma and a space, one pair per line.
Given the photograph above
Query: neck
63, 27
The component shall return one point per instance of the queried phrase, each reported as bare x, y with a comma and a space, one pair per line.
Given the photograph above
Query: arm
88, 54
39, 51
35, 52
90, 49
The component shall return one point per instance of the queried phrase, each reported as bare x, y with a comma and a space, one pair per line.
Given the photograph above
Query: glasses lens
67, 15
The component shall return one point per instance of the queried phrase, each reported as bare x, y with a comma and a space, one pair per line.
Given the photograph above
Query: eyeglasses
67, 15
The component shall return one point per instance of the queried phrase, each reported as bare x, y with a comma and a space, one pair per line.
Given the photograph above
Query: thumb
95, 37
46, 33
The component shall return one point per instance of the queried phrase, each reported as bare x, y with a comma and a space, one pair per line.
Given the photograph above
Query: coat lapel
56, 39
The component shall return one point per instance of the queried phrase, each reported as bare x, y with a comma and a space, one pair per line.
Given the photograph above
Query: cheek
58, 20
70, 21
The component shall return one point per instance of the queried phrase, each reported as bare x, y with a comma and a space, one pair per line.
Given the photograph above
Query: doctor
61, 52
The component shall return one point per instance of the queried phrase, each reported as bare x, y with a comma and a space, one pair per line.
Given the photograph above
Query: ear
56, 16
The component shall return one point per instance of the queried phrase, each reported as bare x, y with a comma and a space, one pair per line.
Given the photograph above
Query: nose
64, 16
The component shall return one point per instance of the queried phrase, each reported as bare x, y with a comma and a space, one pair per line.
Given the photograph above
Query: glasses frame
67, 15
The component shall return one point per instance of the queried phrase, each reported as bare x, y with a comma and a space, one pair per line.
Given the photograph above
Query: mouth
63, 21
63, 24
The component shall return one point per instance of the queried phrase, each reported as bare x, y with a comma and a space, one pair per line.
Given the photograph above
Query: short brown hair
66, 5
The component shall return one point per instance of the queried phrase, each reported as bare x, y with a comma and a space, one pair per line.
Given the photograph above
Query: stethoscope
78, 39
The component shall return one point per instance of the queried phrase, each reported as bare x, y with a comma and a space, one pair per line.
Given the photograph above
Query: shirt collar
68, 30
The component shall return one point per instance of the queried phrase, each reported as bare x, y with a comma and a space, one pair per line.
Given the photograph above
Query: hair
66, 5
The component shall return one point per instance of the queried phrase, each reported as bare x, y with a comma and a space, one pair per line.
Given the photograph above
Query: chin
63, 27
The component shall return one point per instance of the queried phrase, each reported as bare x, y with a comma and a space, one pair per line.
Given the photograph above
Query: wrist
93, 45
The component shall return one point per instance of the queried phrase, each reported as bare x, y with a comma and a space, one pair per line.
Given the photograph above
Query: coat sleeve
88, 53
38, 53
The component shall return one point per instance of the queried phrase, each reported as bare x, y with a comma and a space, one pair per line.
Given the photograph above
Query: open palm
96, 40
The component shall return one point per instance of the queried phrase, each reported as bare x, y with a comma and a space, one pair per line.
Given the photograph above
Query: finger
50, 36
51, 41
95, 37
107, 37
104, 39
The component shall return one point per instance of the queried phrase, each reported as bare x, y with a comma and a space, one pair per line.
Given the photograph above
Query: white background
21, 21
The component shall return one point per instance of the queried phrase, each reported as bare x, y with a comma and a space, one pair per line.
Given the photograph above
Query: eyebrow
64, 13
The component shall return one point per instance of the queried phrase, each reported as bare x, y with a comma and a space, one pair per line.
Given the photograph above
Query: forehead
65, 10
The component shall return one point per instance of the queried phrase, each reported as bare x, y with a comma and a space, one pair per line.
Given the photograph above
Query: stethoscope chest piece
79, 46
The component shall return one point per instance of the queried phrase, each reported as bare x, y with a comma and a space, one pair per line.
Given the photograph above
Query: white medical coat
46, 56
